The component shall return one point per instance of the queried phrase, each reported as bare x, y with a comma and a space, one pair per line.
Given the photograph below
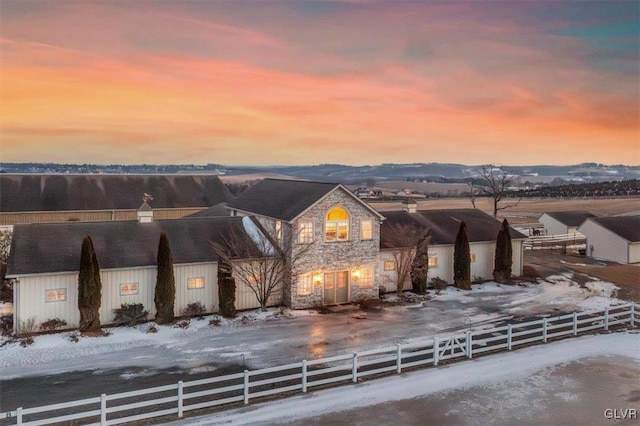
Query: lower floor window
366, 278
433, 261
305, 284
56, 295
389, 265
195, 283
473, 258
128, 289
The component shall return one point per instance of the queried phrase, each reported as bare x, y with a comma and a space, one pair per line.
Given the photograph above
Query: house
613, 238
45, 260
334, 238
562, 223
442, 227
33, 198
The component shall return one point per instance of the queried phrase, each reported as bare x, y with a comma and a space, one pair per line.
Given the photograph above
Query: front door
336, 287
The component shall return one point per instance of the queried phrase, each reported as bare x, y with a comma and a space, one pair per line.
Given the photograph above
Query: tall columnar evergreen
89, 288
420, 266
462, 259
165, 293
504, 252
226, 289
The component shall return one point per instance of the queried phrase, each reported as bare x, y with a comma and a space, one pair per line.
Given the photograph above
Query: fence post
575, 323
246, 387
436, 350
304, 375
103, 409
19, 416
469, 345
544, 330
509, 337
398, 358
631, 315
354, 368
180, 398
606, 318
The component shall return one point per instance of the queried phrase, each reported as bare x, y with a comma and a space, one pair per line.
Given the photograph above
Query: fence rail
554, 241
176, 399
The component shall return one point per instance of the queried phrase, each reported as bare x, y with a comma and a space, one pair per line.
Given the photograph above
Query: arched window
337, 224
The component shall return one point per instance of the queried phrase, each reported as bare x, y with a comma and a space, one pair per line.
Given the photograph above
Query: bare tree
495, 184
403, 239
473, 192
261, 263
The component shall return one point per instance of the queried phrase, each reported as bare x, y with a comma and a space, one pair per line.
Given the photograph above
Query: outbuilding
563, 223
613, 238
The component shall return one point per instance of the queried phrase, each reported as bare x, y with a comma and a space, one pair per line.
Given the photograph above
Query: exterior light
355, 275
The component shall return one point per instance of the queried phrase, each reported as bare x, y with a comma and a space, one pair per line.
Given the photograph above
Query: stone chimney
145, 213
409, 206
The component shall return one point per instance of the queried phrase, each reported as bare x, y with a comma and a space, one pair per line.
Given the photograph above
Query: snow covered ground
527, 386
259, 340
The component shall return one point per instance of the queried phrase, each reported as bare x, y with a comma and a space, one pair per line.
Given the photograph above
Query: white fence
554, 241
176, 399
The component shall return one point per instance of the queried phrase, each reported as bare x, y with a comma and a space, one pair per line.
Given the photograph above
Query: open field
426, 187
528, 206
253, 176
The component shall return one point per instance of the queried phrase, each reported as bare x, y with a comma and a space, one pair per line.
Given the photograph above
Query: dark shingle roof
55, 247
443, 225
22, 193
218, 210
571, 218
628, 227
281, 199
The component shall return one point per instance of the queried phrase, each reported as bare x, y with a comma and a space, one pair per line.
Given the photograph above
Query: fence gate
452, 344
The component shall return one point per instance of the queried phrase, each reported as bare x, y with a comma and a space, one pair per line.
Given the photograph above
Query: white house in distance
443, 226
613, 238
562, 223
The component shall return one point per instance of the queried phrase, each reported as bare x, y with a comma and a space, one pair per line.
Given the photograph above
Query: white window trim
337, 224
362, 281
384, 265
435, 259
370, 222
305, 284
137, 286
56, 290
301, 226
195, 279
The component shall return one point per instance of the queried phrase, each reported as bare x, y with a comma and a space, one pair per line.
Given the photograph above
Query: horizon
310, 83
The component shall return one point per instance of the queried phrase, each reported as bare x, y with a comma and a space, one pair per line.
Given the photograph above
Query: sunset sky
353, 82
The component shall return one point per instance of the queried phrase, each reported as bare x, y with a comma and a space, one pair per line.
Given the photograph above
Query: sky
302, 82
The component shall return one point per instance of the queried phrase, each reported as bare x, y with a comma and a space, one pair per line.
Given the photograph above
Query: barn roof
217, 210
55, 247
571, 218
628, 227
285, 199
33, 192
442, 225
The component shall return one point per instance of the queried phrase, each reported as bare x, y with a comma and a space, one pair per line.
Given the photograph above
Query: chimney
409, 206
145, 213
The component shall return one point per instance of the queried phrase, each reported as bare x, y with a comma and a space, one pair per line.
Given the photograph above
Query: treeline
592, 189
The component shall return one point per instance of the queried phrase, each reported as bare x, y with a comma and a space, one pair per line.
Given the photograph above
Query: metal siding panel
482, 268
33, 303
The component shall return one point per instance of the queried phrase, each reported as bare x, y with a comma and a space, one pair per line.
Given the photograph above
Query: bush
215, 321
26, 342
183, 325
130, 314
6, 325
438, 284
530, 272
194, 309
28, 326
74, 337
52, 324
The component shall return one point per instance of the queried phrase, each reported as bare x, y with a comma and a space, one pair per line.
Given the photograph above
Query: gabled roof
571, 218
286, 199
22, 193
217, 210
628, 227
442, 225
55, 247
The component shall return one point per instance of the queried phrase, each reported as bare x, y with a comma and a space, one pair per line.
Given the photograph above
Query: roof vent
409, 206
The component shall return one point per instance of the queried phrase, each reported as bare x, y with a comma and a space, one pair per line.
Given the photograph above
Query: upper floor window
305, 232
337, 225
279, 231
366, 229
